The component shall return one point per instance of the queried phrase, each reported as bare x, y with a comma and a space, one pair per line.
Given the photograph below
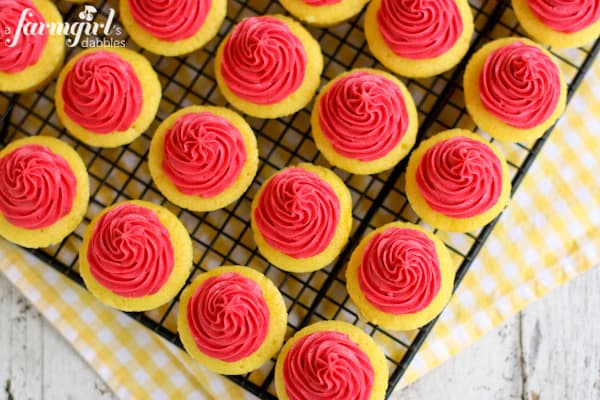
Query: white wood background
549, 351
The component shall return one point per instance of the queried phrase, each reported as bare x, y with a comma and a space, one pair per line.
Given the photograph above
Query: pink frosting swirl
29, 47
263, 61
37, 187
318, 3
363, 115
228, 317
203, 154
566, 15
170, 20
327, 365
399, 272
460, 177
130, 251
419, 29
520, 85
102, 93
297, 213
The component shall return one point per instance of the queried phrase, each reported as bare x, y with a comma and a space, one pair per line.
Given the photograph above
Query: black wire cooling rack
224, 236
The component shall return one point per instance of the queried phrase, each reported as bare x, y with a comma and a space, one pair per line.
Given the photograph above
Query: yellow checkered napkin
549, 233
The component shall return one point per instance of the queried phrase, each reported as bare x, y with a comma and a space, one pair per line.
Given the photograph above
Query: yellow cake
457, 181
364, 121
419, 38
331, 359
559, 24
513, 89
135, 256
301, 218
44, 191
400, 276
212, 173
172, 28
218, 300
107, 97
323, 12
269, 66
28, 62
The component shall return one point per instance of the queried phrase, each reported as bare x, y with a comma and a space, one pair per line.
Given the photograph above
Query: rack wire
224, 236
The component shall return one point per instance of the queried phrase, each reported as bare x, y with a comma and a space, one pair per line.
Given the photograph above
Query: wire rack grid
224, 236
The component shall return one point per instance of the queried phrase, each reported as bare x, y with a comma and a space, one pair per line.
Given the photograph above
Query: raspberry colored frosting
170, 20
399, 272
102, 93
203, 154
263, 61
130, 252
317, 3
520, 85
460, 177
327, 365
419, 29
228, 317
363, 115
29, 48
566, 15
37, 187
297, 213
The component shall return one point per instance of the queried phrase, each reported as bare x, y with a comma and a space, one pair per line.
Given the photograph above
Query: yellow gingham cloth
549, 233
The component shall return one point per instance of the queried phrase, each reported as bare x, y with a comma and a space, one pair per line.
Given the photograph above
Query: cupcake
419, 38
203, 158
559, 23
172, 28
364, 121
400, 276
331, 360
232, 319
107, 97
514, 90
28, 61
135, 256
269, 67
301, 218
44, 191
456, 181
323, 12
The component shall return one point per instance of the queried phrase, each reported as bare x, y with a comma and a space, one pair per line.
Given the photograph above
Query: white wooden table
549, 351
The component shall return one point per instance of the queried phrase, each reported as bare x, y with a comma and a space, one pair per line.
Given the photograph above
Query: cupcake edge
276, 330
439, 220
182, 251
324, 15
403, 322
197, 203
487, 121
356, 166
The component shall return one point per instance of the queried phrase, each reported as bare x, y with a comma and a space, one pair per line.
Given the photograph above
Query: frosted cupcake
172, 28
323, 12
107, 97
419, 38
559, 23
232, 319
44, 191
457, 181
400, 276
331, 360
135, 256
514, 90
203, 158
301, 218
269, 67
28, 61
364, 121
